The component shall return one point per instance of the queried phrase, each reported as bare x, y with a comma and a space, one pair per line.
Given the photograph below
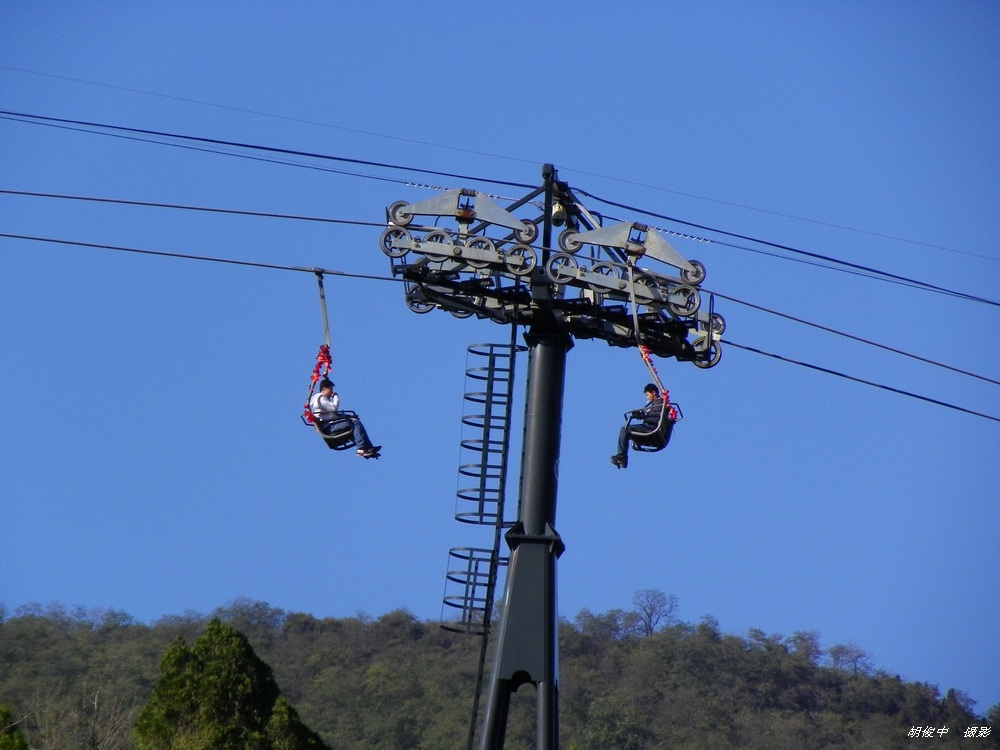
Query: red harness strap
664, 394
321, 370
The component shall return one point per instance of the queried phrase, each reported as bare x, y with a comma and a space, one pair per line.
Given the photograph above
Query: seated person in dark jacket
650, 415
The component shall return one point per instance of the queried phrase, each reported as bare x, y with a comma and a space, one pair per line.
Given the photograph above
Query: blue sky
152, 456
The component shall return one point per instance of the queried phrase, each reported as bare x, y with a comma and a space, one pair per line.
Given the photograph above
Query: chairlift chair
342, 437
657, 438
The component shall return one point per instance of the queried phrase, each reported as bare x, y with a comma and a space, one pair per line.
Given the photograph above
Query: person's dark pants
625, 435
360, 434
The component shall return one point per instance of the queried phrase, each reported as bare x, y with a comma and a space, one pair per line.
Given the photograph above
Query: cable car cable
877, 276
255, 147
828, 371
788, 248
186, 256
208, 258
273, 266
508, 158
41, 119
183, 207
859, 339
354, 222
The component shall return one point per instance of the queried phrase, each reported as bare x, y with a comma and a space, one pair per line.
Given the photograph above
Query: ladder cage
482, 477
470, 597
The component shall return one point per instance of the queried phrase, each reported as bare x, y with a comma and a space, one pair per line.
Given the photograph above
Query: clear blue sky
152, 456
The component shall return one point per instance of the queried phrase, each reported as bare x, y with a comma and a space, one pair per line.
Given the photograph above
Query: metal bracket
516, 536
635, 240
465, 205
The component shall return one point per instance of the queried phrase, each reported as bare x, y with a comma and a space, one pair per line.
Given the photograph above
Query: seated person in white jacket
325, 405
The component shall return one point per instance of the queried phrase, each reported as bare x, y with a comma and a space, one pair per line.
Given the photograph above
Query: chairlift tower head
462, 252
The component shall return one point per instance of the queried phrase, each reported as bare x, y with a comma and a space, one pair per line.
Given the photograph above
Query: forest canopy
629, 680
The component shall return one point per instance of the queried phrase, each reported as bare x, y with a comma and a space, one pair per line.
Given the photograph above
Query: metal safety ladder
472, 571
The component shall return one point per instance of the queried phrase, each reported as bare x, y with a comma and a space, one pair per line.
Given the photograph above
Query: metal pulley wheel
398, 216
391, 240
688, 304
480, 243
646, 289
461, 313
568, 241
697, 275
418, 306
707, 354
437, 237
561, 268
528, 234
520, 260
610, 272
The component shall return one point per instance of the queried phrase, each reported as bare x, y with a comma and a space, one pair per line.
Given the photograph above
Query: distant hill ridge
629, 680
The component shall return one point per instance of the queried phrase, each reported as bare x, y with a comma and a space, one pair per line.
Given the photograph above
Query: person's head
651, 391
325, 385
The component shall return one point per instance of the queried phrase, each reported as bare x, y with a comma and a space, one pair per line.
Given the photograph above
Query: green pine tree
219, 695
285, 731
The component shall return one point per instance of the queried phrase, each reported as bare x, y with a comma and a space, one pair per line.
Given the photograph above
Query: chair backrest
657, 438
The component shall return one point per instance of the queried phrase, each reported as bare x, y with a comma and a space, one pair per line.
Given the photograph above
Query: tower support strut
527, 636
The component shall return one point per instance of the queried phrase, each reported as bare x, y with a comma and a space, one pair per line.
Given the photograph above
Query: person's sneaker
372, 452
620, 461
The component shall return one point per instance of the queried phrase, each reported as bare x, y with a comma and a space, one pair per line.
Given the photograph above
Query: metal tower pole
527, 640
559, 294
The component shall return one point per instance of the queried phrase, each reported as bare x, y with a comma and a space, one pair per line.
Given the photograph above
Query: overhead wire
859, 339
460, 149
855, 379
234, 144
152, 204
217, 151
793, 259
332, 272
818, 222
257, 147
788, 248
207, 258
260, 113
298, 217
352, 222
885, 275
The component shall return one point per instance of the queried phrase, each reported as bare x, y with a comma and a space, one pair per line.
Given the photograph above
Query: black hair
650, 388
325, 383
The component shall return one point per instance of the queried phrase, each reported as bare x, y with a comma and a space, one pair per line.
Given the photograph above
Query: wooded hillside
634, 680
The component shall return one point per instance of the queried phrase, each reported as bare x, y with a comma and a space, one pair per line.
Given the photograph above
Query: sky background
151, 454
